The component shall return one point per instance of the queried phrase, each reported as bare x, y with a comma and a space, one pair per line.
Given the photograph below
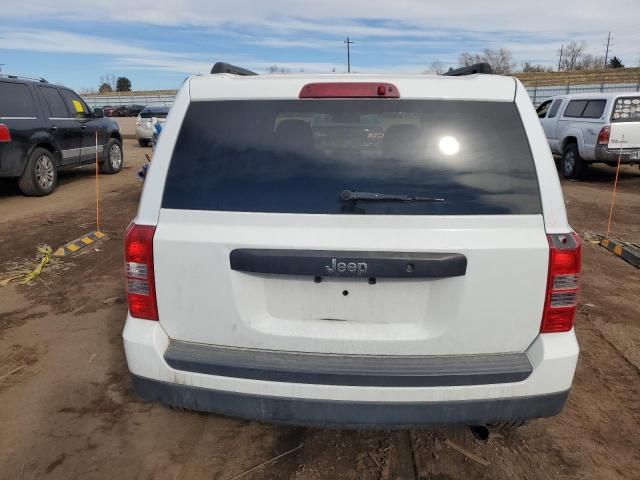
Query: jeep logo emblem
355, 268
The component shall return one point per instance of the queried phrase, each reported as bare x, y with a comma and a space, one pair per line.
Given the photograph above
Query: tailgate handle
330, 263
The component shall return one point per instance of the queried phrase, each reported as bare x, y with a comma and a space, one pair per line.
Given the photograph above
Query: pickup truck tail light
603, 136
5, 135
138, 257
562, 283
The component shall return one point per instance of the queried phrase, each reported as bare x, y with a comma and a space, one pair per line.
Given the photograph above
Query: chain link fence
116, 99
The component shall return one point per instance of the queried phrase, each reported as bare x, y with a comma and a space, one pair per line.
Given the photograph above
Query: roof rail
483, 67
41, 80
222, 67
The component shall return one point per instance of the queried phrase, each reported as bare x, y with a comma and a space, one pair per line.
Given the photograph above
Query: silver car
145, 121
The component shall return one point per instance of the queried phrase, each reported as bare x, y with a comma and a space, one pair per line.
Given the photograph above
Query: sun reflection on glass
449, 145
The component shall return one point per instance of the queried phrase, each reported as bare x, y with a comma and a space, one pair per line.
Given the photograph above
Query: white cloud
409, 32
124, 53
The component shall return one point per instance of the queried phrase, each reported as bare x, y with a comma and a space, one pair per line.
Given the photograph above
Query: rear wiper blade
352, 195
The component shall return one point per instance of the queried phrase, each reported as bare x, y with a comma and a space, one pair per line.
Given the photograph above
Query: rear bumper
349, 414
604, 154
143, 133
541, 393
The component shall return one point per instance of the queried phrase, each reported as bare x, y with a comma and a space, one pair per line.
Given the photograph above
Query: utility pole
560, 59
606, 53
348, 42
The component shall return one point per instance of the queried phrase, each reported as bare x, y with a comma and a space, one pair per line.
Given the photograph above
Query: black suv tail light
5, 135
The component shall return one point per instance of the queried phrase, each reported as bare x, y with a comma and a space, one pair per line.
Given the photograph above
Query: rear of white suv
283, 271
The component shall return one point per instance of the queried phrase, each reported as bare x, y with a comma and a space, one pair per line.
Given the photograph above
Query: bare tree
466, 59
537, 67
590, 62
105, 88
501, 60
572, 54
436, 67
275, 69
110, 79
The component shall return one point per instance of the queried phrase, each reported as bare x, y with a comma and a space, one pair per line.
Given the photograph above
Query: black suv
44, 128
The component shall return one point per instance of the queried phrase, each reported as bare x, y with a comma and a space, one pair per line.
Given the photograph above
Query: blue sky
158, 43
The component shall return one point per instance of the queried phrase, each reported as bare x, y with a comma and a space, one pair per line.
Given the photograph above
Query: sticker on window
626, 109
78, 106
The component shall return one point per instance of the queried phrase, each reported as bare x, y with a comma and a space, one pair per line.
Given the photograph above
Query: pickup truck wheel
113, 161
40, 176
571, 165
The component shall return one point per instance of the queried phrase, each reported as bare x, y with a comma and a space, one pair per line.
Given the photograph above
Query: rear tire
114, 157
571, 165
40, 176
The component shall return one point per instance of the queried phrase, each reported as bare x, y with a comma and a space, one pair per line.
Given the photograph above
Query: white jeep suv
287, 269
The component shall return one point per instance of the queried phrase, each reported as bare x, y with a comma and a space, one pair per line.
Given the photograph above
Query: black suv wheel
40, 176
114, 158
572, 165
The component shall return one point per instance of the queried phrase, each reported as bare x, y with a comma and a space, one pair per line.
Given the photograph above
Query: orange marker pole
97, 189
615, 187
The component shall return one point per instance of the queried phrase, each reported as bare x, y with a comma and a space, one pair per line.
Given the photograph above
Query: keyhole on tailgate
409, 268
345, 292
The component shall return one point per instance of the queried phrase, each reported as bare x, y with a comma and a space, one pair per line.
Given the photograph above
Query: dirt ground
67, 409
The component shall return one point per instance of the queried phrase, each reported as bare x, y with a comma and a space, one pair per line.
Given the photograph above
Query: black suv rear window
297, 156
16, 101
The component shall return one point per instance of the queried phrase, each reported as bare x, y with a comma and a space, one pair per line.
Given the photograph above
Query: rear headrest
294, 135
402, 141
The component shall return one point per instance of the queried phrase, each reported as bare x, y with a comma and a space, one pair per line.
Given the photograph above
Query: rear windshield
297, 156
626, 109
16, 101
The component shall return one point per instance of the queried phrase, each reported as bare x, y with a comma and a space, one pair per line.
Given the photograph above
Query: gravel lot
67, 409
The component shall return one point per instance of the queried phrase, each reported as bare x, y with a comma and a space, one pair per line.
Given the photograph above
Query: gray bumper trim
347, 414
604, 154
354, 370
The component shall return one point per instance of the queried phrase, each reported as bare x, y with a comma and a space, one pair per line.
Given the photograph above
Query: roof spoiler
222, 67
483, 67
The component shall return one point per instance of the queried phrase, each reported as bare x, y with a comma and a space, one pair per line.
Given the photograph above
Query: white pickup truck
591, 128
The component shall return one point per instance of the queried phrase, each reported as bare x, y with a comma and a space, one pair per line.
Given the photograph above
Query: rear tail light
5, 135
603, 136
138, 257
562, 283
349, 90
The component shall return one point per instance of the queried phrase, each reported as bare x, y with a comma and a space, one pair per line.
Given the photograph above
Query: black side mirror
98, 113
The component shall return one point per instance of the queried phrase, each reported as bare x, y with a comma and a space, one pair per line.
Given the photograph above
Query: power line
560, 59
606, 54
349, 43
